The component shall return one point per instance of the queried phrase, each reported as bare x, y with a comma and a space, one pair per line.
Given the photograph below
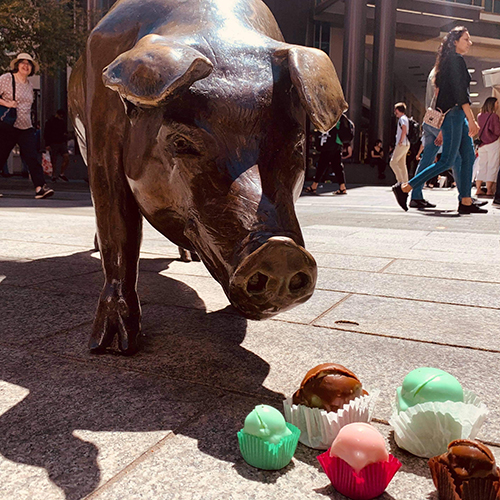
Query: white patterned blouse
24, 98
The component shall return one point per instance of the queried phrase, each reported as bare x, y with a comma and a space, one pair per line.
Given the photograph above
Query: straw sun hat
26, 57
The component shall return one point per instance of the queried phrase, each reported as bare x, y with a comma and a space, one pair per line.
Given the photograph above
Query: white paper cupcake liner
426, 429
319, 428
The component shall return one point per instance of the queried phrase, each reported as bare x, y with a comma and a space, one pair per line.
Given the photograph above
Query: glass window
322, 36
488, 5
496, 7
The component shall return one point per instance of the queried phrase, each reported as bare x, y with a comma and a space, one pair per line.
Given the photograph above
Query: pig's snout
277, 276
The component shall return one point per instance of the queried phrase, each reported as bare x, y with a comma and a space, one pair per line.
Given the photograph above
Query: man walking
398, 160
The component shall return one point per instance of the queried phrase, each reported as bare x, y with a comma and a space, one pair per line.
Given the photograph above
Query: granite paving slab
215, 469
28, 315
270, 358
34, 250
411, 287
354, 262
36, 271
83, 424
410, 319
379, 362
469, 271
321, 302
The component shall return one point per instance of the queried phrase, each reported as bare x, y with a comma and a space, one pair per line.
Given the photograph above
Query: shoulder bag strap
13, 87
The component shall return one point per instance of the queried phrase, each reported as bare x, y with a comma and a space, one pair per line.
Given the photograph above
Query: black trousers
330, 162
9, 137
380, 164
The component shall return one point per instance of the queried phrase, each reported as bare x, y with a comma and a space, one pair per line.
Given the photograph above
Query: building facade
383, 50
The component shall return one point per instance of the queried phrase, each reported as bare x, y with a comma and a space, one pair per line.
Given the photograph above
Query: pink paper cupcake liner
368, 483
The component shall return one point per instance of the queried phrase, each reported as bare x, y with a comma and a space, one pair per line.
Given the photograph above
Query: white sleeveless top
24, 98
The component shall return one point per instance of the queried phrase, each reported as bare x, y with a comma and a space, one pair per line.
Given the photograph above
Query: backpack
413, 131
346, 130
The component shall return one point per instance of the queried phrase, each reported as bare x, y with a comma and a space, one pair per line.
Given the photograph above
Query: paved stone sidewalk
395, 291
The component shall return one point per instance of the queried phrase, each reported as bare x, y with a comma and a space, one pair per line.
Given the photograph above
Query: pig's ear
155, 69
314, 76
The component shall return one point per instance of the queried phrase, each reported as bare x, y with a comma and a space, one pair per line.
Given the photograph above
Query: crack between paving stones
387, 265
343, 299
410, 275
107, 365
421, 341
144, 456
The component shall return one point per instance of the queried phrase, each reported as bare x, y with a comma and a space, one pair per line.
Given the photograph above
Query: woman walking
489, 149
459, 126
16, 83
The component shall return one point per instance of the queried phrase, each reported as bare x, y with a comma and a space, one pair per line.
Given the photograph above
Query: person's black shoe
401, 196
421, 204
63, 177
496, 202
471, 209
478, 203
44, 192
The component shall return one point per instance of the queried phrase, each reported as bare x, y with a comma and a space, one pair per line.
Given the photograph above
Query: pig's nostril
299, 281
257, 283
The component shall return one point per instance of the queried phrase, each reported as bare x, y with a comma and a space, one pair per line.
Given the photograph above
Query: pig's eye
184, 147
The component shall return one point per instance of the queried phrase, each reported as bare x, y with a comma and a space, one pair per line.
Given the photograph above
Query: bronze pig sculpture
191, 113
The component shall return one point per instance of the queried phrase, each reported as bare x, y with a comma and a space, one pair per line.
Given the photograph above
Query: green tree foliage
52, 31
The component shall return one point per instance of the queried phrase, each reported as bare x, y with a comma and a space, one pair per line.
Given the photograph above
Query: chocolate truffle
329, 387
466, 460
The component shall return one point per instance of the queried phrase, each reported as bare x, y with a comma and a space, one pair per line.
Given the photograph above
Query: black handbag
8, 116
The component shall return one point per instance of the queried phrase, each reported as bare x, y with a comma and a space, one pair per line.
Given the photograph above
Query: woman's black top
453, 82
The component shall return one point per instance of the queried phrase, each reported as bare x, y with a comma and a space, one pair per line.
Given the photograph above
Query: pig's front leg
119, 229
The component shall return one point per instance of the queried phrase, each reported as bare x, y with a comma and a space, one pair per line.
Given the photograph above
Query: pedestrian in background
398, 160
459, 125
377, 158
489, 147
22, 133
330, 157
56, 143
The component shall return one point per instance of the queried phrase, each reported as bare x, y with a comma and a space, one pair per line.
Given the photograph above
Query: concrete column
353, 63
383, 72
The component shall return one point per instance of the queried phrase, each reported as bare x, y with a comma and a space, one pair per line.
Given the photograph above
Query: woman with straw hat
16, 91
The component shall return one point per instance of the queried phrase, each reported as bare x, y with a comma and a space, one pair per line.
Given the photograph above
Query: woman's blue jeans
458, 152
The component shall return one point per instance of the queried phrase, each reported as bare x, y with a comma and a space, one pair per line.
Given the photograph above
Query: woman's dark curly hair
448, 48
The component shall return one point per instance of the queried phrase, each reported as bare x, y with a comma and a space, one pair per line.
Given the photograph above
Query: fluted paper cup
475, 489
368, 483
426, 429
268, 456
319, 428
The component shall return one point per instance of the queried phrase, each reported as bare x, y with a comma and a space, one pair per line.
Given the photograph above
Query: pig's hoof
115, 317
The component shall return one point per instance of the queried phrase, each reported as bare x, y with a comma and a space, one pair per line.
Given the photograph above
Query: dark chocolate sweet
329, 387
467, 459
467, 469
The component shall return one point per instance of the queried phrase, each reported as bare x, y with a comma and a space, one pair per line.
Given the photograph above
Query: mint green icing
266, 423
428, 385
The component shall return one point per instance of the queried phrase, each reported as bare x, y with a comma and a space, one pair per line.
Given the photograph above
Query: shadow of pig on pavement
62, 397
